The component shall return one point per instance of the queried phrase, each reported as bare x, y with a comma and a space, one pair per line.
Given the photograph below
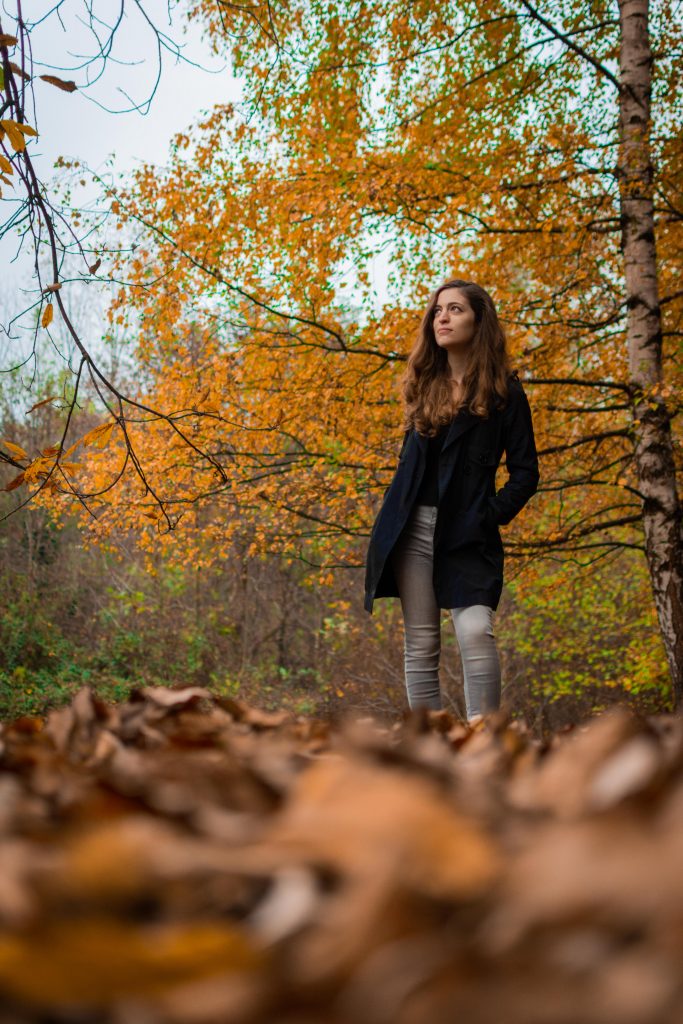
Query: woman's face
454, 320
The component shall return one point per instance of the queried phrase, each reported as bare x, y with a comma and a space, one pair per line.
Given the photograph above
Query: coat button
484, 456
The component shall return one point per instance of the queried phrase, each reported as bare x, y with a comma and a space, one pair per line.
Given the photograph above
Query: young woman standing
436, 542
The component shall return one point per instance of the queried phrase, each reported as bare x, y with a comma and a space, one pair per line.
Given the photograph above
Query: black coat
468, 550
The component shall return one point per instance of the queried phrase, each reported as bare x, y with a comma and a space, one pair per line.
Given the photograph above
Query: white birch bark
653, 449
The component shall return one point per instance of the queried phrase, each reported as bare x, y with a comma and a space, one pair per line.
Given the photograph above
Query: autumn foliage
266, 401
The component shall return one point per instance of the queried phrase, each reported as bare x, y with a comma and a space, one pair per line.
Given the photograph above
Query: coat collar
461, 422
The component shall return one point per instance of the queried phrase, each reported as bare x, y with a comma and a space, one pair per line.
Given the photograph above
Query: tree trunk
653, 449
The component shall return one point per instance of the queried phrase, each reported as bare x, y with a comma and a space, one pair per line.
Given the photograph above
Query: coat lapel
461, 422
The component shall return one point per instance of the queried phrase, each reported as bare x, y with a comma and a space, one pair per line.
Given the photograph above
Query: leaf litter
187, 859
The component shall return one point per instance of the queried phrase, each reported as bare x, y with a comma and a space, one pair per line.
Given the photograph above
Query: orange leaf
15, 133
15, 483
15, 450
59, 82
52, 398
26, 129
47, 315
19, 71
99, 435
15, 137
97, 959
39, 467
105, 436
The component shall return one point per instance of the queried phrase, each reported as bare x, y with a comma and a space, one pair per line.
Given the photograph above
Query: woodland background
204, 466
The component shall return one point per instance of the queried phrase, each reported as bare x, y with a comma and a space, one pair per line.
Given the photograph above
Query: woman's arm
521, 458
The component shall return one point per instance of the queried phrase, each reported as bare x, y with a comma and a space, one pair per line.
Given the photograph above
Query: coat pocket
490, 515
481, 464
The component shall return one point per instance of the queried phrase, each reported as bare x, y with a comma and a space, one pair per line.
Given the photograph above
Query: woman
435, 542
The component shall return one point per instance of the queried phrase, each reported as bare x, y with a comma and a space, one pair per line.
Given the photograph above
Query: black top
428, 493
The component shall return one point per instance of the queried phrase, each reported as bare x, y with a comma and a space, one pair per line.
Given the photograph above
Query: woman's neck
457, 365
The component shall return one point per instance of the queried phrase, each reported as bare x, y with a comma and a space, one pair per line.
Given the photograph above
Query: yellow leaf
105, 436
15, 450
52, 449
15, 137
6, 165
39, 467
99, 435
47, 315
7, 40
15, 132
25, 128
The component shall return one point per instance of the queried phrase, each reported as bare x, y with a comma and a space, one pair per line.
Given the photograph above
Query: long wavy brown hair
426, 382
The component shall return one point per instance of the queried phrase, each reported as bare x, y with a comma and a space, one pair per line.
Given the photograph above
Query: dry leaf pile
182, 859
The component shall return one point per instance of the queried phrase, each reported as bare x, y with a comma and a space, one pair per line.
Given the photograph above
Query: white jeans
412, 565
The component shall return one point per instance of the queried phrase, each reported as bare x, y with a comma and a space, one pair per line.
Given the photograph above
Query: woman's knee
473, 623
423, 640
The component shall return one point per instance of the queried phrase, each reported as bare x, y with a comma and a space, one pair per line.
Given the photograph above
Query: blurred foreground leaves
182, 859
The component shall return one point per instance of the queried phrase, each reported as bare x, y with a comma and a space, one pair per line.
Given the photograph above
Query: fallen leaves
95, 961
184, 859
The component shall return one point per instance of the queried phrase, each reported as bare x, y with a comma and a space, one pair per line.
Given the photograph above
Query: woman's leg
480, 661
412, 565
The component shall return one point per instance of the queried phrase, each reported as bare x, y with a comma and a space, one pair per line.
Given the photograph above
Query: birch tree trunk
653, 449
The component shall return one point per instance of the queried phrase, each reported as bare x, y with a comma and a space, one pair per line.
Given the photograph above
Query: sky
96, 123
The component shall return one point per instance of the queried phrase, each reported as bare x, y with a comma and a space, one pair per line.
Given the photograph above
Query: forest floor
185, 859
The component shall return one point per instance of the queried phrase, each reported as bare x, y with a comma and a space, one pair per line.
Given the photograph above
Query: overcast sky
96, 123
